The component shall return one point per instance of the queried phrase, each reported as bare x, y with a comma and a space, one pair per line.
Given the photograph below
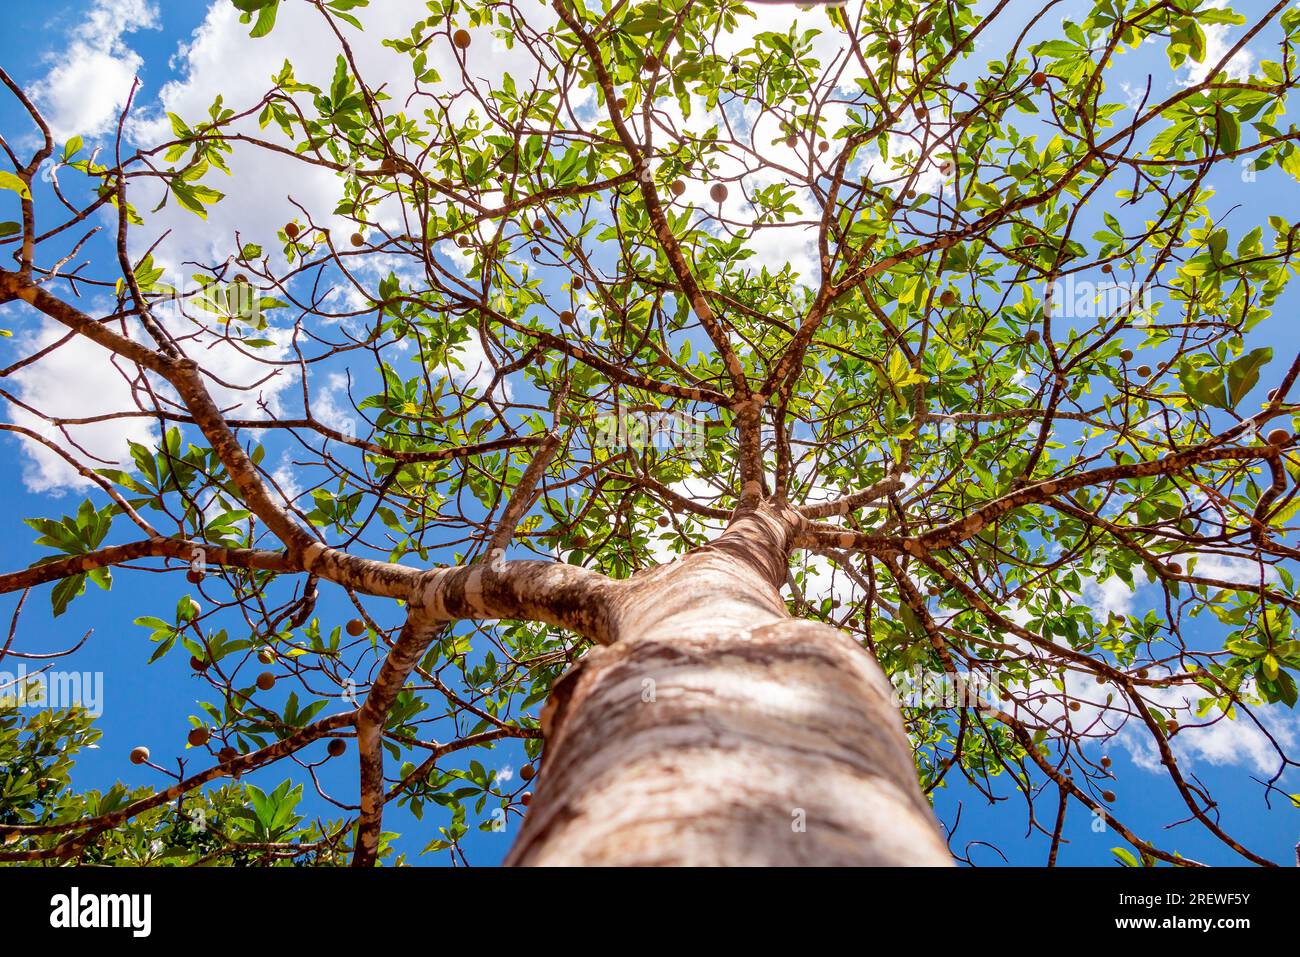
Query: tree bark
717, 730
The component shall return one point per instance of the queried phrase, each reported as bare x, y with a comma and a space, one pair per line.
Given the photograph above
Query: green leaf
12, 182
1243, 374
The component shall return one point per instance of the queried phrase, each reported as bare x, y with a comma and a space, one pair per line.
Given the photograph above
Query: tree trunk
717, 730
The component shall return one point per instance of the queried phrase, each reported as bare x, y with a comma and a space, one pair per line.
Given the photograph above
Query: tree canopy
951, 279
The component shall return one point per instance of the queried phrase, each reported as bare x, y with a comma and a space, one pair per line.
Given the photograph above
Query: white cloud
89, 81
70, 382
80, 379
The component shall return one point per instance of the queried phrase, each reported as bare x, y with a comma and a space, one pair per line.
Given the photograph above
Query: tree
608, 441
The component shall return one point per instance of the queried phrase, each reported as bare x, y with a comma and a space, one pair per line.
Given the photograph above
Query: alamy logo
74, 910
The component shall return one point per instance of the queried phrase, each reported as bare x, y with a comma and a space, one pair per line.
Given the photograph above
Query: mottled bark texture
717, 730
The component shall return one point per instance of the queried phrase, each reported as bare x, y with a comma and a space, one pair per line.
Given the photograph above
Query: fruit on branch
197, 737
357, 239
1174, 568
356, 627
1279, 437
388, 165
651, 63
718, 192
579, 540
893, 46
1075, 706
336, 747
461, 38
621, 104
677, 187
525, 799
226, 755
197, 663
823, 146
1144, 371
1108, 797
194, 576
1127, 355
139, 755
536, 251
1032, 337
662, 521
526, 772
291, 230
1105, 762
1107, 268
1039, 79
265, 681
567, 317
266, 656
575, 283
947, 297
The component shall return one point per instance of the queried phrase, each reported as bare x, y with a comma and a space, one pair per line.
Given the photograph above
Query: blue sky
45, 48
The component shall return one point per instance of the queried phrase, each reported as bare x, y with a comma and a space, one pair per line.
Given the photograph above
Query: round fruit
198, 737
662, 521
240, 277
336, 747
197, 663
139, 755
1108, 797
718, 192
576, 283
567, 317
823, 146
357, 239
388, 165
265, 681
194, 576
461, 39
536, 251
651, 63
1075, 706
1127, 355
621, 103
947, 297
1039, 79
677, 187
1032, 337
266, 656
462, 241
1171, 726
356, 627
894, 46
526, 772
227, 754
1144, 371
579, 541
791, 142
1279, 437
1174, 568
291, 230
1107, 268
922, 112
526, 799
1105, 762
